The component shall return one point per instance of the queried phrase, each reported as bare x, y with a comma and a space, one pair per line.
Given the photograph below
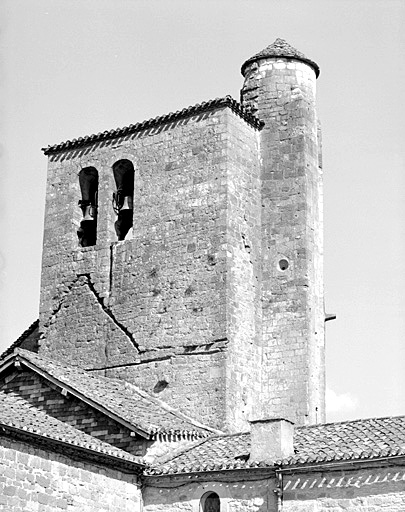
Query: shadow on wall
344, 484
206, 496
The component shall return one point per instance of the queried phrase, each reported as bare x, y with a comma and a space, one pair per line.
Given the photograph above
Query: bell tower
192, 265
279, 88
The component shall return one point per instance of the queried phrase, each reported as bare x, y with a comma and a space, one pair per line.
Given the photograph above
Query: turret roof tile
280, 48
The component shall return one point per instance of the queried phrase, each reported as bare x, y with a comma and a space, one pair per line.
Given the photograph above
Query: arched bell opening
87, 232
123, 197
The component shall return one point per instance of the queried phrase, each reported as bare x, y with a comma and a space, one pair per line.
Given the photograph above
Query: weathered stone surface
236, 495
377, 489
48, 398
373, 490
178, 300
214, 301
34, 479
281, 92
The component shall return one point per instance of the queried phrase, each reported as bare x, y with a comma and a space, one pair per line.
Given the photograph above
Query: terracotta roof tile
32, 331
117, 397
18, 414
192, 110
349, 440
280, 48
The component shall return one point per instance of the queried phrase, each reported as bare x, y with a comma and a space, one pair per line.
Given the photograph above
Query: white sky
72, 68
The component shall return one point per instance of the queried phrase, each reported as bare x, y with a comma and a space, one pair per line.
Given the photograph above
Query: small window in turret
123, 197
88, 181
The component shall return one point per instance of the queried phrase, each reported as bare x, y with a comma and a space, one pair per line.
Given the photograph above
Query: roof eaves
178, 415
205, 106
150, 433
211, 468
259, 56
90, 450
283, 466
317, 464
20, 339
136, 428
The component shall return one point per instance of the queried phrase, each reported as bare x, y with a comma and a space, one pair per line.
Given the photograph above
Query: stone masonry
183, 255
281, 92
375, 489
177, 300
48, 398
214, 301
33, 479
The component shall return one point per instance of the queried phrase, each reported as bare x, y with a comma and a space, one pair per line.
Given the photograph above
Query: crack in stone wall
162, 293
212, 347
90, 285
56, 310
108, 312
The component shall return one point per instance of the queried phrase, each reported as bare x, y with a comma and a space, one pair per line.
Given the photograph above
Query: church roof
317, 444
29, 337
116, 398
280, 48
192, 110
17, 417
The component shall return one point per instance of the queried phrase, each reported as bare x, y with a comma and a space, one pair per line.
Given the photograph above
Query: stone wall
243, 284
167, 307
36, 480
281, 92
371, 489
239, 493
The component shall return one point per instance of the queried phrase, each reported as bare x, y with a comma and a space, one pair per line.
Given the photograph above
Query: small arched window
88, 181
210, 502
123, 198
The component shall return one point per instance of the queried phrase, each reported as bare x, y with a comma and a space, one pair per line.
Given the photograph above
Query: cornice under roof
205, 106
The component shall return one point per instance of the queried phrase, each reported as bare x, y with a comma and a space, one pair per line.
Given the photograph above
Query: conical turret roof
280, 48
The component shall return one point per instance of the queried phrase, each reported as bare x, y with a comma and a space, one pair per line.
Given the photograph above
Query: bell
88, 181
128, 203
124, 179
88, 213
123, 202
87, 233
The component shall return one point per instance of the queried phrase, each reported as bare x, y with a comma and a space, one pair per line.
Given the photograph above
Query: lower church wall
369, 489
33, 479
172, 494
372, 489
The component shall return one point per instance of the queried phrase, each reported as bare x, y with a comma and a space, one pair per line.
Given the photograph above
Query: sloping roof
349, 440
192, 110
118, 399
280, 48
30, 335
17, 414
